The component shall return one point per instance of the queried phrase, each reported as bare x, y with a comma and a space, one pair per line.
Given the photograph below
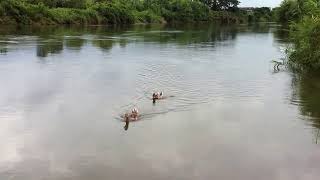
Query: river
228, 113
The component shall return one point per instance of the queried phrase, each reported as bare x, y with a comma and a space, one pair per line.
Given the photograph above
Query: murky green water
229, 115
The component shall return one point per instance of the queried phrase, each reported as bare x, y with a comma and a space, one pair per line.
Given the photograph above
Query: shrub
17, 10
106, 11
73, 16
114, 13
147, 17
2, 12
304, 17
289, 11
306, 38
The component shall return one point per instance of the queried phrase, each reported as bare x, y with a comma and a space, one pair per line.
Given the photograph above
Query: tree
221, 4
61, 3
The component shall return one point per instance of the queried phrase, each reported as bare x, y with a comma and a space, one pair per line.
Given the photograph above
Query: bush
17, 10
304, 17
289, 11
115, 13
2, 12
107, 11
37, 12
147, 17
306, 38
181, 10
61, 3
73, 16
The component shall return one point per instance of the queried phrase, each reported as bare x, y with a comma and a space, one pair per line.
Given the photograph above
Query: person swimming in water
134, 113
156, 96
131, 116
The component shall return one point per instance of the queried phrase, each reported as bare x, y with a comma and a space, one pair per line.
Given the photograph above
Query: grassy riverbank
303, 16
44, 12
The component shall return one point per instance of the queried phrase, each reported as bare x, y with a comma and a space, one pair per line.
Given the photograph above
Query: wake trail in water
181, 93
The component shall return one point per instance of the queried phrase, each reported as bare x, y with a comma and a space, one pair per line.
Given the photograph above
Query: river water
228, 114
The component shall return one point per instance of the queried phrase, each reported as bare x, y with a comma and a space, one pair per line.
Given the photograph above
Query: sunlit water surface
228, 115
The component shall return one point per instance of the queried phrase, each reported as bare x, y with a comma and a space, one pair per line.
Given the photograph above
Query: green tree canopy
61, 3
221, 4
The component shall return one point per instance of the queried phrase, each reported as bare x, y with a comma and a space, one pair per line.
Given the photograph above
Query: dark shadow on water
3, 50
53, 40
74, 43
259, 27
281, 34
306, 94
51, 47
104, 44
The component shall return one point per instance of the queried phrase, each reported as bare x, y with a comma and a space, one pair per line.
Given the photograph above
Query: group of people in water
134, 114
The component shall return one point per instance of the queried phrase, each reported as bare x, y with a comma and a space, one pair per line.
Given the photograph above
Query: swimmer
156, 96
134, 113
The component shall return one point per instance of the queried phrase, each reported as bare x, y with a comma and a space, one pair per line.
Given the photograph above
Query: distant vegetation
263, 14
117, 11
303, 16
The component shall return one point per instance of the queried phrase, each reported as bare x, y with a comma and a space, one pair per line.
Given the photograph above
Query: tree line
213, 4
116, 11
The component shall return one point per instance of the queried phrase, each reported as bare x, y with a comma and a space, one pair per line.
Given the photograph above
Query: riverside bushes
107, 11
304, 19
306, 39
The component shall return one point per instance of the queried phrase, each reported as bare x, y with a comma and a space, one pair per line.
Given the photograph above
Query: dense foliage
114, 11
304, 18
262, 14
222, 4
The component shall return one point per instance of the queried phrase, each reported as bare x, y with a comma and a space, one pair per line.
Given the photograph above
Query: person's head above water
135, 110
134, 113
156, 95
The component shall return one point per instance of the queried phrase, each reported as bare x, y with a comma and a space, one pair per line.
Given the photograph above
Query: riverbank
304, 20
114, 12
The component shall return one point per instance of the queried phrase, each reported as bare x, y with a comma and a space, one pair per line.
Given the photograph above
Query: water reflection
53, 40
281, 34
317, 136
74, 43
259, 27
4, 42
3, 49
54, 46
103, 44
306, 94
